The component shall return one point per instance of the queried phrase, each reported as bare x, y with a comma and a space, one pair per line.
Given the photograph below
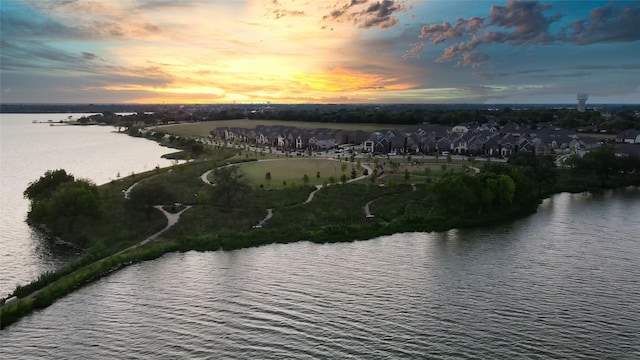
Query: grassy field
292, 170
203, 128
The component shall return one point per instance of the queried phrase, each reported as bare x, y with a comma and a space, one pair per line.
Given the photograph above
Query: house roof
628, 134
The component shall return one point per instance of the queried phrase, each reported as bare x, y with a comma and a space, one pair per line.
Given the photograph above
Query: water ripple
571, 291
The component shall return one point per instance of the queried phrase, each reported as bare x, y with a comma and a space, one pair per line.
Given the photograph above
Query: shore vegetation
245, 202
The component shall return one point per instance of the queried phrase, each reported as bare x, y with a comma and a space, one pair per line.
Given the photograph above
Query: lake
562, 283
27, 150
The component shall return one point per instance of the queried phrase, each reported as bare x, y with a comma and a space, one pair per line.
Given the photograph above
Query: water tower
582, 99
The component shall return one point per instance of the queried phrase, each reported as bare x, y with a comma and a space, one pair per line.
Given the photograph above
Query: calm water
27, 150
563, 283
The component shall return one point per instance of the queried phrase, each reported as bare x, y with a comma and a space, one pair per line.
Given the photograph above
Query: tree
231, 185
48, 183
343, 178
407, 175
267, 177
343, 167
305, 179
354, 174
318, 175
540, 168
58, 201
74, 200
148, 194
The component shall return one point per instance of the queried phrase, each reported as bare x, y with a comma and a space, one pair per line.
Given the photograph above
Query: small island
233, 193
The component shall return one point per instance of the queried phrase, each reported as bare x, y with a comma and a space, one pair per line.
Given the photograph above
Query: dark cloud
565, 75
438, 33
367, 14
473, 59
50, 20
491, 76
36, 56
606, 24
522, 23
526, 18
608, 67
15, 26
89, 56
40, 58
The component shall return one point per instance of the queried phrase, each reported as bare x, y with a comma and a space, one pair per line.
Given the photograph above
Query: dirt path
367, 212
172, 219
205, 179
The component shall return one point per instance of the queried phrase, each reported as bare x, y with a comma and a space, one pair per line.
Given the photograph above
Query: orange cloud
344, 80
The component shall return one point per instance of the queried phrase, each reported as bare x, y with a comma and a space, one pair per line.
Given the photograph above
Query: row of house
467, 139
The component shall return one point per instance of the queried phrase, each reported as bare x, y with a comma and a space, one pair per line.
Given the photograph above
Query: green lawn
202, 129
292, 170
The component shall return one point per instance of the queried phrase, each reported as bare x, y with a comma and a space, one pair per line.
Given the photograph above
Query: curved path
205, 178
172, 219
318, 187
368, 213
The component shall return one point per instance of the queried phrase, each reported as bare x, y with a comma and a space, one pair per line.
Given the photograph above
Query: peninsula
296, 184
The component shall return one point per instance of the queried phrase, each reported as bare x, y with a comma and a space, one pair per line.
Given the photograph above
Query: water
563, 283
27, 150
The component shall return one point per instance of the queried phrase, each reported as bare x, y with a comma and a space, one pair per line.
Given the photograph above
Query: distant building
582, 99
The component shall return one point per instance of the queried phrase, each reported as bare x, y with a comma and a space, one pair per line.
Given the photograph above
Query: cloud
524, 23
43, 59
80, 20
491, 76
415, 51
439, 33
608, 67
89, 56
473, 59
606, 24
565, 75
366, 14
279, 10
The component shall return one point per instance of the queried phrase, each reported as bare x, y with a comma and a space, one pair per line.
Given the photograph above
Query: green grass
292, 171
335, 214
202, 129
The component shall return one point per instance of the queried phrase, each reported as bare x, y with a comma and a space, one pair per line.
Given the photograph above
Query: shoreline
64, 281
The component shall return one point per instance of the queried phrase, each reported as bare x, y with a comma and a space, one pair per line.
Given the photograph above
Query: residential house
631, 136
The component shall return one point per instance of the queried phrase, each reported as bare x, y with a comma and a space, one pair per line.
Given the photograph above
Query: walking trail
205, 178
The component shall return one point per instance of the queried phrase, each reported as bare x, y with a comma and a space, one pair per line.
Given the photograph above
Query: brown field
202, 129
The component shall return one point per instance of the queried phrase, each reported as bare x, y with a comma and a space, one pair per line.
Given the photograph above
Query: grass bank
335, 214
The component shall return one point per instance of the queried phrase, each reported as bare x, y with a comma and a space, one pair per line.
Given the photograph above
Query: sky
319, 51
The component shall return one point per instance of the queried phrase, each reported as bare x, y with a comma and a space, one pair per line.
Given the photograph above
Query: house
322, 141
377, 143
397, 141
459, 143
460, 129
540, 147
523, 143
513, 129
508, 145
630, 136
444, 144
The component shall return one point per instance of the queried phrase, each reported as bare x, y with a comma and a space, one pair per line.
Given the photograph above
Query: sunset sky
319, 51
